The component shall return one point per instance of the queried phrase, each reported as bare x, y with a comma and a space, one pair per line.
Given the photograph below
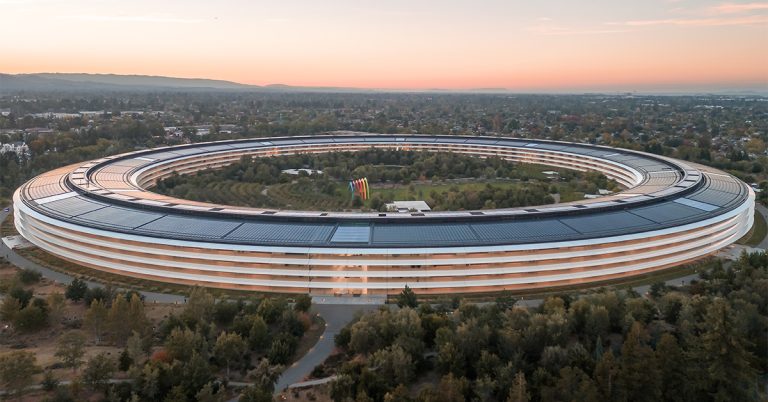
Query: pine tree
727, 358
605, 375
407, 298
96, 318
670, 358
639, 374
519, 391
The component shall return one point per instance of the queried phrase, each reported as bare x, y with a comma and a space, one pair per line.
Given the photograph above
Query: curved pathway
336, 316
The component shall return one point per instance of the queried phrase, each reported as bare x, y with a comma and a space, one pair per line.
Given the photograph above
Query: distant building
307, 171
173, 132
39, 131
92, 113
19, 148
408, 206
58, 116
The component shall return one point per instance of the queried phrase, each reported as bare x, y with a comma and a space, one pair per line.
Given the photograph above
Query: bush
31, 318
28, 276
303, 303
100, 294
282, 349
224, 312
76, 290
23, 296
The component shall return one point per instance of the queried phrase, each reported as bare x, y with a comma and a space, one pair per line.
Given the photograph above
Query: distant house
19, 148
296, 172
92, 113
173, 132
38, 131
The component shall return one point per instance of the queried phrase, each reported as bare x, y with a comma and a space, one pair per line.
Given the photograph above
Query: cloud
558, 30
697, 22
132, 18
548, 26
732, 8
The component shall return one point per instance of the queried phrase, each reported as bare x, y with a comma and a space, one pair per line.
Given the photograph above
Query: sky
540, 45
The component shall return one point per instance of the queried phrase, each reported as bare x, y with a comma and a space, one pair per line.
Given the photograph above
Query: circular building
102, 214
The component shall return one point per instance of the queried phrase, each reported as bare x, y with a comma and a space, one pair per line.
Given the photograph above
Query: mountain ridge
85, 82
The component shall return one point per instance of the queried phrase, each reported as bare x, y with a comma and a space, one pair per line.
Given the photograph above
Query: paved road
336, 316
21, 262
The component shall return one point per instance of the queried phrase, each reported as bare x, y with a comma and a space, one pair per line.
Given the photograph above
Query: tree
31, 318
71, 348
182, 343
17, 369
124, 362
573, 384
196, 372
255, 394
229, 348
394, 365
208, 394
9, 309
726, 356
258, 336
76, 290
136, 315
56, 305
673, 378
126, 316
199, 308
519, 391
281, 349
303, 303
452, 389
606, 372
265, 374
639, 375
407, 298
98, 371
96, 319
135, 348
22, 295
176, 394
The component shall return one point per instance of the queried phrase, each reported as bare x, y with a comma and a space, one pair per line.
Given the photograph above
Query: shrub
76, 290
28, 276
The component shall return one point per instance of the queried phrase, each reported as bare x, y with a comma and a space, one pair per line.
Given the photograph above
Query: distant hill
73, 82
109, 82
76, 82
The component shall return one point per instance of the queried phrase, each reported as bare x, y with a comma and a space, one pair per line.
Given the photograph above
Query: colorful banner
360, 188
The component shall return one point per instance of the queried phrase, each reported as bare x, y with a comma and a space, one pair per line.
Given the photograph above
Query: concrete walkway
336, 316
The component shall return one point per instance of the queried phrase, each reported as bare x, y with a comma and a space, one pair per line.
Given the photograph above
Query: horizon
756, 90
550, 47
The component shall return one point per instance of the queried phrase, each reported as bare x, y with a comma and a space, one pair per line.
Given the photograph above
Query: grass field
304, 196
757, 233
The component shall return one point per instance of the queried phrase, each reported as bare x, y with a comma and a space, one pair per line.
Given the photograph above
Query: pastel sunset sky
541, 45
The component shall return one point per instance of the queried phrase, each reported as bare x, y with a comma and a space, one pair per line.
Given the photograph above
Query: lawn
757, 233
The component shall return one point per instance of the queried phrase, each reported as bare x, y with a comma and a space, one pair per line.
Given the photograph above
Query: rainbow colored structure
360, 188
